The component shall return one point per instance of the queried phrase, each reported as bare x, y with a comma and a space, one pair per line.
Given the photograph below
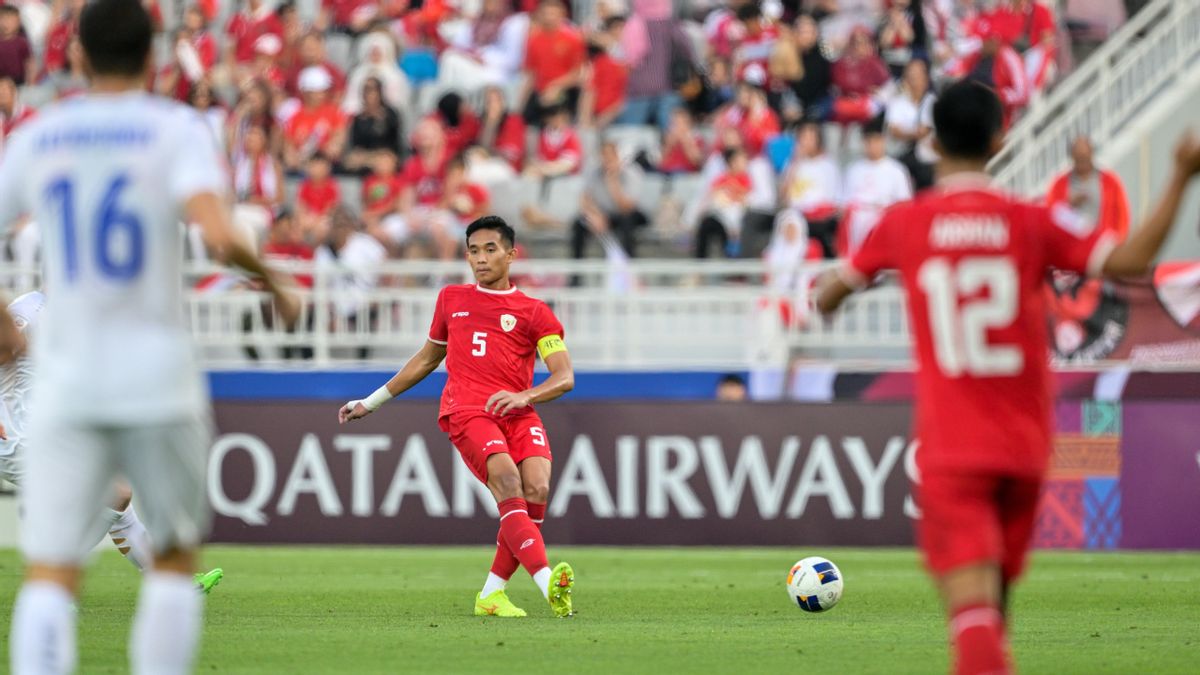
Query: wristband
377, 399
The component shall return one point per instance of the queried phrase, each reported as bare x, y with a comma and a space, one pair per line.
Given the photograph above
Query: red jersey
245, 29
555, 145
315, 125
491, 340
427, 183
549, 55
973, 262
379, 193
510, 141
319, 197
609, 79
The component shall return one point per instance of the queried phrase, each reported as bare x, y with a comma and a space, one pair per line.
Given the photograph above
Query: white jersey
106, 177
16, 378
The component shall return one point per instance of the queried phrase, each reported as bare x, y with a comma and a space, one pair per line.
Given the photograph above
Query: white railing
1133, 66
643, 316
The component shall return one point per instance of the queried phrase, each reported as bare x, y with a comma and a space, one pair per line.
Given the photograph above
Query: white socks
43, 630
131, 538
494, 583
542, 579
166, 629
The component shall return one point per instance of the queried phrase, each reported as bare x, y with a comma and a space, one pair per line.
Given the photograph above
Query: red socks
520, 538
980, 647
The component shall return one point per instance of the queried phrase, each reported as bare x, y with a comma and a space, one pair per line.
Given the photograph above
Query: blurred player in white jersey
117, 394
127, 531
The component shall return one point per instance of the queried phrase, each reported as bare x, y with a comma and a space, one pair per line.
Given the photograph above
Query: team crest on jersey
508, 322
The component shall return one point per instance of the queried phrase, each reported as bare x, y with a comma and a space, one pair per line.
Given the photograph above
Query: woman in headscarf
377, 59
490, 54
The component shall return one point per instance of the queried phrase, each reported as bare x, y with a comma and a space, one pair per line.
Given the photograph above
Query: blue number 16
109, 221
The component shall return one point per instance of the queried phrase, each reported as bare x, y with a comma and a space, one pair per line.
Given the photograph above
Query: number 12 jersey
973, 262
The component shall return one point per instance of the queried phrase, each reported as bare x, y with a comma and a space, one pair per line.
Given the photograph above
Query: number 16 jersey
973, 262
106, 178
492, 339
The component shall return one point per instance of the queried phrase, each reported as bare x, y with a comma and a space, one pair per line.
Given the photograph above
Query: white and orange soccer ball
815, 584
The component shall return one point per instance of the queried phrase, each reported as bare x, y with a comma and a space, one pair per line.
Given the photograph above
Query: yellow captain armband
551, 344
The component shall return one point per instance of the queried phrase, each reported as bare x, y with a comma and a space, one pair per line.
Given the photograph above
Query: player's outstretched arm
1133, 257
208, 210
561, 381
832, 291
418, 368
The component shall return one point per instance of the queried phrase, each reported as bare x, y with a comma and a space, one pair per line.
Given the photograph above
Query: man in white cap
319, 126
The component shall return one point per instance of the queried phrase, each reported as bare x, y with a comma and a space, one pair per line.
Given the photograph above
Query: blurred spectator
254, 109
999, 67
756, 36
459, 123
357, 256
316, 197
683, 148
348, 16
256, 18
608, 204
197, 43
1096, 195
816, 79
70, 79
503, 132
1029, 27
319, 127
909, 120
728, 198
293, 31
58, 40
605, 78
377, 61
491, 54
787, 252
376, 128
16, 54
312, 55
812, 186
286, 243
749, 114
265, 66
873, 183
381, 191
554, 58
732, 389
858, 77
659, 59
257, 176
13, 113
467, 201
902, 35
559, 150
425, 171
202, 100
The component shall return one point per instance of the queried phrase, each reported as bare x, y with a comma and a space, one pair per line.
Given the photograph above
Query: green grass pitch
660, 611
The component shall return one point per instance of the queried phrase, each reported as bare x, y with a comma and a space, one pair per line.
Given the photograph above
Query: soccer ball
815, 584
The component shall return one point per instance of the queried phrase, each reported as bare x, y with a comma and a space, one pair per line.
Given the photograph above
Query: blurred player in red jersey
972, 262
490, 334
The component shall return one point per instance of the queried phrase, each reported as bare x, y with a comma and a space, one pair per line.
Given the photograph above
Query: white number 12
960, 333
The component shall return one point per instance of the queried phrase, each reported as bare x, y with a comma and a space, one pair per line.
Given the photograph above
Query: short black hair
496, 223
748, 11
10, 9
116, 36
966, 117
731, 378
875, 127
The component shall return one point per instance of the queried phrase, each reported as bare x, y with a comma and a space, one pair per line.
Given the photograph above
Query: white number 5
960, 333
539, 436
480, 342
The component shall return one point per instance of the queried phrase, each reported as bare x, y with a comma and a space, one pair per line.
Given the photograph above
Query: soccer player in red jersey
489, 333
972, 262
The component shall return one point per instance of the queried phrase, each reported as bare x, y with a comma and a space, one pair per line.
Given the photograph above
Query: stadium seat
632, 139
651, 188
779, 151
562, 197
420, 65
339, 49
685, 186
351, 189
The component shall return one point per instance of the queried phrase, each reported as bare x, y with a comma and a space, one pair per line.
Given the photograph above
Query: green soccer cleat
497, 604
206, 581
562, 582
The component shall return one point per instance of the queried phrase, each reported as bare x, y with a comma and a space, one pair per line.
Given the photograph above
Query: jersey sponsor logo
526, 544
958, 231
508, 322
491, 443
459, 315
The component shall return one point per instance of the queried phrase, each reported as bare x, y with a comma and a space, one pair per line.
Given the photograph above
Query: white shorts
69, 477
12, 468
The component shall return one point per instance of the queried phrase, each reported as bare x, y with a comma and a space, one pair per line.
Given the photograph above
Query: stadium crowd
373, 129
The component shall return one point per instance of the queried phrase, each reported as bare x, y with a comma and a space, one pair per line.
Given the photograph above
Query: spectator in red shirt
288, 242
16, 56
245, 27
381, 190
1000, 67
605, 78
13, 113
683, 148
315, 198
312, 55
195, 32
58, 39
266, 61
349, 16
1096, 195
257, 176
750, 114
755, 38
459, 123
1029, 28
555, 54
425, 171
319, 127
858, 77
503, 132
729, 197
559, 150
466, 200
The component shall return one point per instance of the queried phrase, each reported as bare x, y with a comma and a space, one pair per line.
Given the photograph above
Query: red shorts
969, 518
478, 435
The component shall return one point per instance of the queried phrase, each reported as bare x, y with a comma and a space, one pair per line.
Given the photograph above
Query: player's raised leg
535, 479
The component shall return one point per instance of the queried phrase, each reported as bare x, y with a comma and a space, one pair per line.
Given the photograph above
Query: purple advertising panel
650, 474
1160, 475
